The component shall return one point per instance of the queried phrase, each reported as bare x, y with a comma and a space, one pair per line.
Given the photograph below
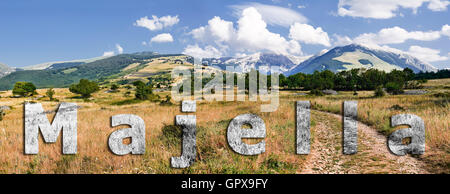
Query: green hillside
63, 77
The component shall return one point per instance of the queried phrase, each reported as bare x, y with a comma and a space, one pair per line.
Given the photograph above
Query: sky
38, 31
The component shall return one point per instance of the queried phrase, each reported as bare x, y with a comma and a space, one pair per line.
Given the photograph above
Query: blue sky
33, 32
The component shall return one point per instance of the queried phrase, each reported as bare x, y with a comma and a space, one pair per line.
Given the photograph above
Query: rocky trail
373, 155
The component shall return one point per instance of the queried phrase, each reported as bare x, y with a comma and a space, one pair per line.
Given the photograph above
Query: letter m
65, 118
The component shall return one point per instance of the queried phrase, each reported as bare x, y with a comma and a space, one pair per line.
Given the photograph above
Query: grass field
214, 155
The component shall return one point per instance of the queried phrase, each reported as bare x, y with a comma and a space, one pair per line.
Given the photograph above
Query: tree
24, 89
143, 92
85, 88
50, 92
114, 87
394, 88
379, 92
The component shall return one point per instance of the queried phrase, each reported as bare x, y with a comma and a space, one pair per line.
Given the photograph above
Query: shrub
171, 135
2, 114
128, 93
394, 88
397, 107
442, 95
50, 92
379, 92
114, 87
316, 92
85, 88
125, 102
24, 89
167, 101
143, 92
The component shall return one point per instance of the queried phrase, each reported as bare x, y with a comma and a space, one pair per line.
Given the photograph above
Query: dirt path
373, 155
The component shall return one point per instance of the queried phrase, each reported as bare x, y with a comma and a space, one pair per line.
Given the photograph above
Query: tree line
352, 80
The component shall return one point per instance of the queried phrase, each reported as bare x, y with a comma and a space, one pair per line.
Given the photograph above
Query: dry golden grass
214, 154
376, 112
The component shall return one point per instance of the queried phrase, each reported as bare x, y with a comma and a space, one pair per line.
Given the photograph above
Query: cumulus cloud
253, 35
249, 35
426, 54
216, 30
395, 35
309, 35
207, 52
384, 9
119, 49
164, 37
272, 15
157, 23
445, 30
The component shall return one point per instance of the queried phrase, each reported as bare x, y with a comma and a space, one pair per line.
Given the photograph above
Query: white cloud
197, 52
426, 54
307, 34
119, 49
384, 9
272, 15
157, 23
253, 35
301, 6
164, 37
216, 30
341, 40
250, 35
108, 53
395, 35
438, 5
445, 30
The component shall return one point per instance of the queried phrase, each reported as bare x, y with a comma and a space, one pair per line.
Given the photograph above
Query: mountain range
62, 64
337, 59
64, 73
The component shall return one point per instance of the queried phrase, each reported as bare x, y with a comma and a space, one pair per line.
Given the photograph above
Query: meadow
163, 139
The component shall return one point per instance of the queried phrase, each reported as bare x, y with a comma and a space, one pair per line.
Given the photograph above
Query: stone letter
350, 127
236, 133
136, 133
189, 151
416, 133
303, 127
65, 118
